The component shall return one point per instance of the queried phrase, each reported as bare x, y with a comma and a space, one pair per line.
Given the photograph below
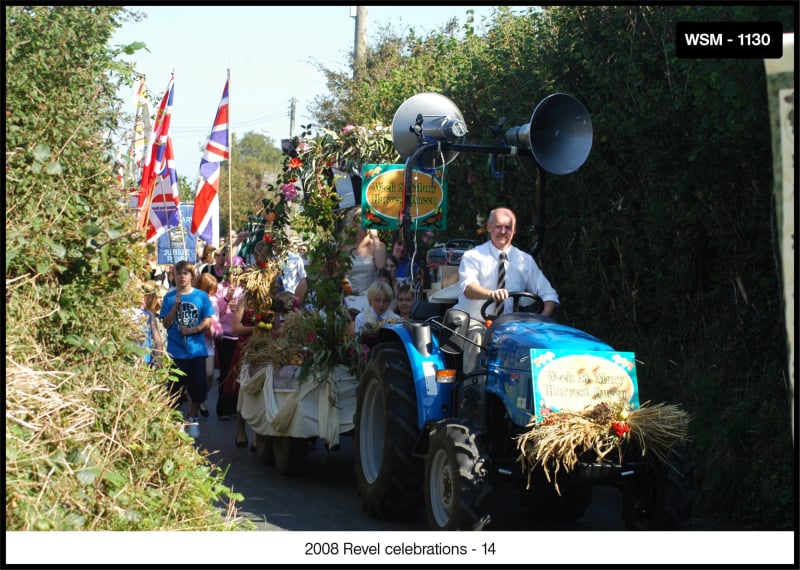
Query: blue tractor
431, 430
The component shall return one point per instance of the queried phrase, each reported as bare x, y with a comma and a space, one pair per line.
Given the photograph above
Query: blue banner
179, 243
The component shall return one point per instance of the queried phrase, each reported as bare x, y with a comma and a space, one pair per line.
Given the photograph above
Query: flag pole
182, 229
169, 229
180, 218
230, 162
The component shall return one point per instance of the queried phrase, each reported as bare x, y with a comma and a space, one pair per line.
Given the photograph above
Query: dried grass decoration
554, 441
287, 347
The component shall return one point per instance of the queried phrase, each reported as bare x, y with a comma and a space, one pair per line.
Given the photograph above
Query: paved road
323, 506
325, 496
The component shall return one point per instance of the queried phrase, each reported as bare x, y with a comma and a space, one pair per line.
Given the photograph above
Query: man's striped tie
501, 280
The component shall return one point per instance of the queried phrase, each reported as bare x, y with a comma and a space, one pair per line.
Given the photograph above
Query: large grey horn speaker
559, 134
425, 118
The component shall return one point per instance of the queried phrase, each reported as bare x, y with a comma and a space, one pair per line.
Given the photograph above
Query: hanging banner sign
179, 243
382, 198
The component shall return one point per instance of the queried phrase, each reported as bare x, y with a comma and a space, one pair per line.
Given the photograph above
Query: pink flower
302, 147
347, 129
426, 237
289, 192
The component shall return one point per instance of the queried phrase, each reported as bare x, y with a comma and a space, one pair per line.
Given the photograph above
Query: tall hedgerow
91, 443
663, 242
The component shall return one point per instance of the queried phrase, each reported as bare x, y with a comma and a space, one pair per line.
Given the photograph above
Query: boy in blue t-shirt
186, 313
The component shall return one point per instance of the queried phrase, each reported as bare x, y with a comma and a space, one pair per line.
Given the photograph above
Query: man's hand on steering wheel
502, 294
499, 295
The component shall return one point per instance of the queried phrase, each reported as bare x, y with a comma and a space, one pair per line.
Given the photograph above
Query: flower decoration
620, 428
321, 332
556, 440
347, 289
328, 345
289, 192
235, 261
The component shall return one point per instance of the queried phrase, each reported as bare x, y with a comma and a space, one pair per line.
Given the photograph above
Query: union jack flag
205, 217
155, 161
164, 208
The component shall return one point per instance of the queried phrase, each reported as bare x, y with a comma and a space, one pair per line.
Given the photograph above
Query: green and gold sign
382, 198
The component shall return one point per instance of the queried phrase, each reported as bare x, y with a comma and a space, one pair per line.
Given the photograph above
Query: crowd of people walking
200, 316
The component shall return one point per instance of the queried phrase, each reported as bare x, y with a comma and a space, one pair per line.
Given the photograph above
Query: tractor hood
534, 331
510, 340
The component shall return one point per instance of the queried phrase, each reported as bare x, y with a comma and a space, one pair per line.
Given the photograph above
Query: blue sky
271, 53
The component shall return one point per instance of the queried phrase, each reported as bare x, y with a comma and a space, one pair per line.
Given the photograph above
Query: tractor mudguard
425, 358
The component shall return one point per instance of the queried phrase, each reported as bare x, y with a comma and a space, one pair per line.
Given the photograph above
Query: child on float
405, 300
379, 296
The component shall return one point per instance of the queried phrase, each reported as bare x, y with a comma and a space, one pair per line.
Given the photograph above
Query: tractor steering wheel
537, 306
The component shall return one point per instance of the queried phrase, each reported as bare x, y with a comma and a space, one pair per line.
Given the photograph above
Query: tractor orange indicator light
446, 376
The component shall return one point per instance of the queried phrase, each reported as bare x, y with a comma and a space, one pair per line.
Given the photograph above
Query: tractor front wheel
455, 480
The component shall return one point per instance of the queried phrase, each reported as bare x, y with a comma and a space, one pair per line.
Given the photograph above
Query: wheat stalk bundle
260, 285
556, 440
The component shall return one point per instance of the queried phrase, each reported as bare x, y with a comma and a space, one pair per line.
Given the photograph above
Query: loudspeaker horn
559, 134
428, 117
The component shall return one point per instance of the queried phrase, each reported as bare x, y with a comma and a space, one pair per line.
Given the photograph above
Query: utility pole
291, 116
360, 44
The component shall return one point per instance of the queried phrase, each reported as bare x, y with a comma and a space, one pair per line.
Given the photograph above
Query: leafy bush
91, 443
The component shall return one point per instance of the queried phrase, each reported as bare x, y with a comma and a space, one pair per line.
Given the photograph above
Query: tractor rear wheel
389, 477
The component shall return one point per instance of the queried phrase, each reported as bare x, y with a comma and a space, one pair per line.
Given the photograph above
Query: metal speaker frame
427, 118
559, 134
